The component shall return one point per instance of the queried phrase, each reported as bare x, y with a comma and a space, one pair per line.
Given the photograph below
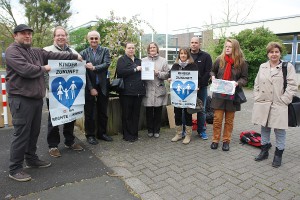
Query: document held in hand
147, 71
223, 86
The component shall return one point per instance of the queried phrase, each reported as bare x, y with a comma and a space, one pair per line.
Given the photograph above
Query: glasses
94, 38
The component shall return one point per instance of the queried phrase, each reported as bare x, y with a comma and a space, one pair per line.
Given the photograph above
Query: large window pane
286, 37
289, 49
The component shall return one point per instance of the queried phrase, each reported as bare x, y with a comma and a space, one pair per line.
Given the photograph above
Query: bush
253, 44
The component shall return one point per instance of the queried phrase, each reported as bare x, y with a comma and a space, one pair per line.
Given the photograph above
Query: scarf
183, 64
227, 72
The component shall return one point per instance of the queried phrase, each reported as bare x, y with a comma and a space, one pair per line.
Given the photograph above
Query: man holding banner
26, 89
60, 37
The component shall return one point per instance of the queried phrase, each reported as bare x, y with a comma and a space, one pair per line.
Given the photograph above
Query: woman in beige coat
156, 93
271, 101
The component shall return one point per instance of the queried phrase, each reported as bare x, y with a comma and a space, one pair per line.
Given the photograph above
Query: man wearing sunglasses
96, 90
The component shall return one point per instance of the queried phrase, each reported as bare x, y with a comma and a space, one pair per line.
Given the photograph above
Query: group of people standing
27, 81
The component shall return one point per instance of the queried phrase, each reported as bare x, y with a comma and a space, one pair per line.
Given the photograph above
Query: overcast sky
166, 15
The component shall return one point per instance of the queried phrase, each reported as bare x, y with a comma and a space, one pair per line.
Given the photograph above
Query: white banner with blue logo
66, 90
183, 88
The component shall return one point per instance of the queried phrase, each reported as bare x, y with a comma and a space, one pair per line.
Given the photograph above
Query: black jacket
204, 64
101, 61
189, 67
134, 86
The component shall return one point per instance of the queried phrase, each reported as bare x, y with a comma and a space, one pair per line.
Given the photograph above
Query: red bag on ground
194, 124
251, 137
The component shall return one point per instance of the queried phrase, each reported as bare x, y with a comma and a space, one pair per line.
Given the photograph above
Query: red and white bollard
4, 102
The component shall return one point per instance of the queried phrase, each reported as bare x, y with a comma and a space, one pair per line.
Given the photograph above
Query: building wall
278, 26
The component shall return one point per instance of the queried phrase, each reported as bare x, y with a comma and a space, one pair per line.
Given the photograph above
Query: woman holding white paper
129, 68
156, 93
231, 66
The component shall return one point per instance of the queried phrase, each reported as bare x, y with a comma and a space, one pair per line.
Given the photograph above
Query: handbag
117, 84
239, 95
294, 112
199, 107
294, 106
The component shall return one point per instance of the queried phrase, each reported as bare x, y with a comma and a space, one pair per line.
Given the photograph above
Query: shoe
20, 176
131, 139
156, 135
75, 147
37, 164
225, 146
214, 145
54, 152
92, 140
203, 135
105, 138
150, 134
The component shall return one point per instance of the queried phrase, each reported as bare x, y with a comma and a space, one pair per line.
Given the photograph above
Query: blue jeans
279, 133
201, 116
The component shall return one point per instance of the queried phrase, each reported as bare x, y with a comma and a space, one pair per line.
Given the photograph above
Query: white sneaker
150, 134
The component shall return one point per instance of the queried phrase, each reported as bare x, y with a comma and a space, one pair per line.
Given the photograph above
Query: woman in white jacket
156, 93
271, 101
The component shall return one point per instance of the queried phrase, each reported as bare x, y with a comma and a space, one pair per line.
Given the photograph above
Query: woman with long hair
184, 61
231, 66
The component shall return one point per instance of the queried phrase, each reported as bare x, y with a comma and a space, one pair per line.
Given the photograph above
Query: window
286, 37
289, 50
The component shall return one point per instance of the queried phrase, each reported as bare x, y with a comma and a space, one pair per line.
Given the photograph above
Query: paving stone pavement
157, 168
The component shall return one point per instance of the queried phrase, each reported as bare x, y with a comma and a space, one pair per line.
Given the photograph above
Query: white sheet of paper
223, 86
147, 70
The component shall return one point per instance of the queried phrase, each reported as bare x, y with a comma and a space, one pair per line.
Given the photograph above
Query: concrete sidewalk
156, 168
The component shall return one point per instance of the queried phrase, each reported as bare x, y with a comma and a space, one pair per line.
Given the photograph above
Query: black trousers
131, 106
178, 117
95, 111
153, 118
26, 117
53, 137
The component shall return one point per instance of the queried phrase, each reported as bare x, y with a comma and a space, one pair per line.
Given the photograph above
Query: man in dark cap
26, 88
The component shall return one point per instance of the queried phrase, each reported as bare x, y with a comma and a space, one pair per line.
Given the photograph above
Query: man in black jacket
26, 89
204, 63
96, 91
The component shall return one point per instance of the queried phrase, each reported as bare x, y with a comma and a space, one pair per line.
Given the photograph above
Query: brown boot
187, 139
178, 135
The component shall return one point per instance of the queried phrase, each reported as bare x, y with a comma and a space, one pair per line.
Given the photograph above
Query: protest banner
66, 90
183, 88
